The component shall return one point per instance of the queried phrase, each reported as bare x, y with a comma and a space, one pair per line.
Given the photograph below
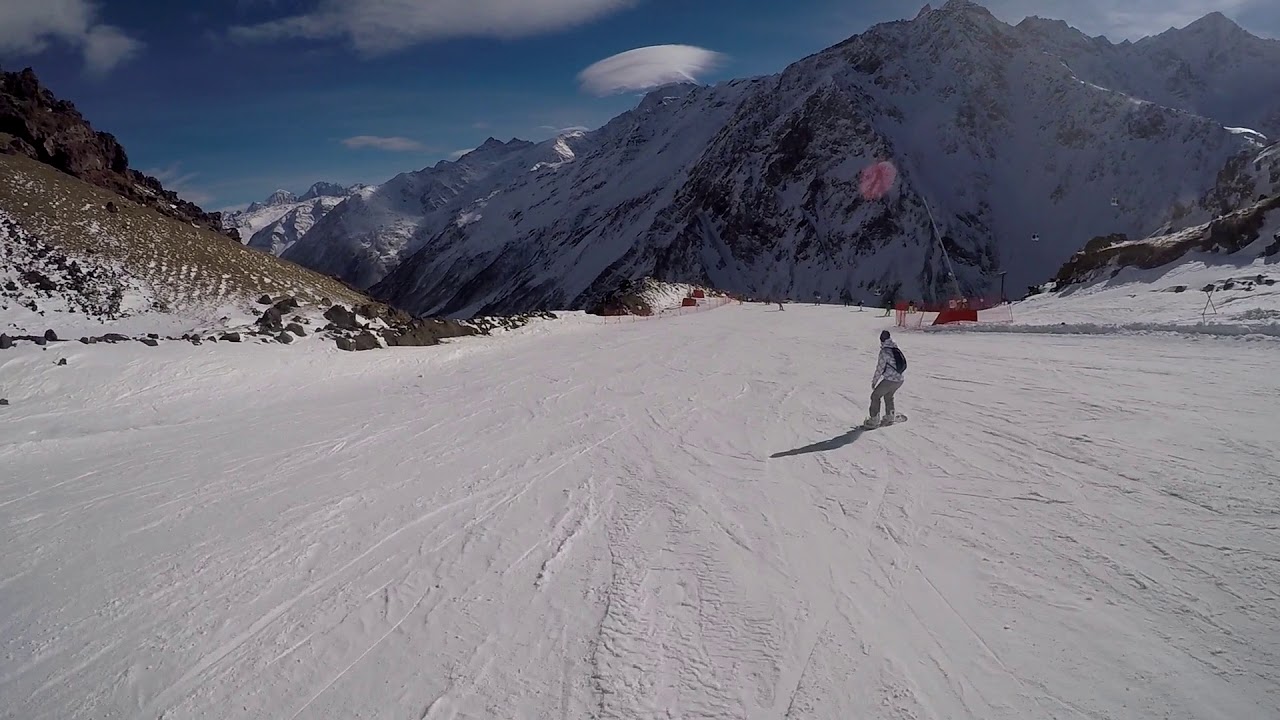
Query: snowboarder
889, 376
780, 305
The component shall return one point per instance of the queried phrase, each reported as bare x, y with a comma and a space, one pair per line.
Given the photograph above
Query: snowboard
897, 418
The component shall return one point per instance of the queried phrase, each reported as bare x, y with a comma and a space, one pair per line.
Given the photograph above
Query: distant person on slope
890, 367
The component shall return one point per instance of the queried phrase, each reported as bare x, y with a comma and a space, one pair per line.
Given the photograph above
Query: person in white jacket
888, 378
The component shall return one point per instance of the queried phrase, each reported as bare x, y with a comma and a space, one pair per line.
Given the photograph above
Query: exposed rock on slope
38, 125
72, 261
646, 296
1246, 208
1258, 224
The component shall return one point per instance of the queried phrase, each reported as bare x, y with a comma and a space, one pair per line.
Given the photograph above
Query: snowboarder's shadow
835, 443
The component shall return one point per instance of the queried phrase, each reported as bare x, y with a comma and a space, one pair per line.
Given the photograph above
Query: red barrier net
912, 314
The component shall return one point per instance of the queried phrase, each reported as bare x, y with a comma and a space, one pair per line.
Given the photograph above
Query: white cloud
564, 130
1133, 19
174, 178
375, 26
28, 27
390, 144
459, 153
647, 67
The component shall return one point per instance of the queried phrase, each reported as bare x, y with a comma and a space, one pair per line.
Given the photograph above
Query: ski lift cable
945, 255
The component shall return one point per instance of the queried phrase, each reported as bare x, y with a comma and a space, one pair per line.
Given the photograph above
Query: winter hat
884, 335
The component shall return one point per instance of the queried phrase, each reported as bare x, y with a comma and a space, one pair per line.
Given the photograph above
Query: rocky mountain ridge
38, 125
284, 216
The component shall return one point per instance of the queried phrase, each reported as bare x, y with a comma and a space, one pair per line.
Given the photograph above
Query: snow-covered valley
663, 518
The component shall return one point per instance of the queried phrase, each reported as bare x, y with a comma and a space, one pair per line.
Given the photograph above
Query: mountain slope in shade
753, 186
1212, 67
282, 206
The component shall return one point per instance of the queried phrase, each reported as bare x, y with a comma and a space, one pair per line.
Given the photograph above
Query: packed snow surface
656, 519
1245, 300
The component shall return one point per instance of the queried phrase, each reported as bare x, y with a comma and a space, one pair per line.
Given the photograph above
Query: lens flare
877, 180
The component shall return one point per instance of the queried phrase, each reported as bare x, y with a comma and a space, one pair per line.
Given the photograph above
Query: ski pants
885, 390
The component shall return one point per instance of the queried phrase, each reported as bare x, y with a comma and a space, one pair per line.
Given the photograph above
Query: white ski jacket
886, 369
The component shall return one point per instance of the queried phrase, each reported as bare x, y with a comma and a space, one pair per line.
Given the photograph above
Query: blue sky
227, 100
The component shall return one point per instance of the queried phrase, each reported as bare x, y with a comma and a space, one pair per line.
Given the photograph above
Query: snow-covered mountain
367, 236
283, 211
1212, 67
279, 235
1005, 133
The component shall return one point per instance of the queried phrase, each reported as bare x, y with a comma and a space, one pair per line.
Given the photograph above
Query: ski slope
660, 519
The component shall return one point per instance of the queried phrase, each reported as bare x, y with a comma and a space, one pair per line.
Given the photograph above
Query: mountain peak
1215, 22
661, 95
959, 15
325, 189
955, 7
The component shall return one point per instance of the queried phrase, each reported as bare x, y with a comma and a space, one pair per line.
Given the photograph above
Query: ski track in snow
648, 520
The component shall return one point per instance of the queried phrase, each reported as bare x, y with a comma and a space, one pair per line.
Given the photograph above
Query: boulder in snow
272, 319
366, 341
342, 318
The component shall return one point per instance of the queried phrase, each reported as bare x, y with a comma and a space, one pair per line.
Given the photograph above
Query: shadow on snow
835, 443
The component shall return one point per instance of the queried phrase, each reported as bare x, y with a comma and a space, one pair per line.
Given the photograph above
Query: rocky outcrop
626, 299
1226, 235
35, 123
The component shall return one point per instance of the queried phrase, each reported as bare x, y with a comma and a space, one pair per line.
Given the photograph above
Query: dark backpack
899, 359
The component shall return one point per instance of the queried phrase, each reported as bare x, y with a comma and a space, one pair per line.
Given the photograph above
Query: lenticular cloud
646, 68
877, 180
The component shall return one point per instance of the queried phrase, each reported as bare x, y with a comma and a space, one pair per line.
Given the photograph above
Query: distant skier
780, 305
890, 369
